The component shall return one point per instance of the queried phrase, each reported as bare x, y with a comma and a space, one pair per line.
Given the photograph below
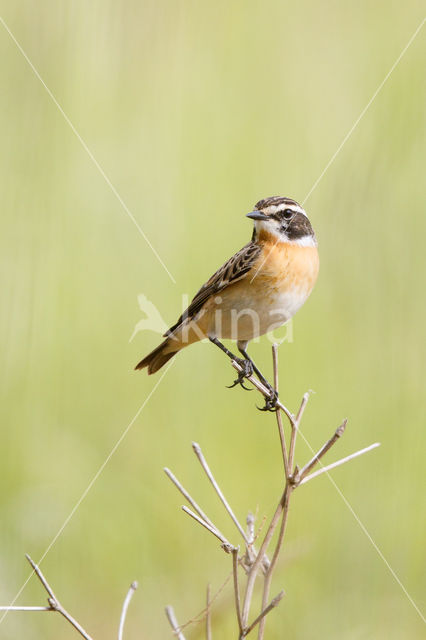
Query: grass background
195, 110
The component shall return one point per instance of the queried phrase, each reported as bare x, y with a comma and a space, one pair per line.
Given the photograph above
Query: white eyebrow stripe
273, 208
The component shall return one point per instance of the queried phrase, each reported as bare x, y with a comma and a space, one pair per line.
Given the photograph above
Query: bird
257, 290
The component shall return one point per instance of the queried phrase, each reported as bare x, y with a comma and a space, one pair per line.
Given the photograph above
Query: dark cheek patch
299, 227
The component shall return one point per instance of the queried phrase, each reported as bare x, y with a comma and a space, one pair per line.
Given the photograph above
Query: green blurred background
195, 110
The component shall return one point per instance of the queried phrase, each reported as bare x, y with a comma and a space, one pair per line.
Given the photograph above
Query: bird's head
282, 220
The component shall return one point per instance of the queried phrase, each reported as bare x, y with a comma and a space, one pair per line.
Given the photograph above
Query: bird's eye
288, 214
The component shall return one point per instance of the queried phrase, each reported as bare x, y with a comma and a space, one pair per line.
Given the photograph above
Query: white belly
246, 318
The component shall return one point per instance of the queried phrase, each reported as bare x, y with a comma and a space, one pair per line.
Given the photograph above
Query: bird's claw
270, 402
247, 370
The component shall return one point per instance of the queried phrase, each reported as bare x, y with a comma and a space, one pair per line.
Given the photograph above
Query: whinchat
259, 289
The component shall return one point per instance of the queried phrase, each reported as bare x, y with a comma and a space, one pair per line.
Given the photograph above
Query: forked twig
188, 496
54, 602
55, 605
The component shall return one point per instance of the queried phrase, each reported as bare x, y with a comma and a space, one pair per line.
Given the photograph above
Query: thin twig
286, 496
259, 558
294, 429
278, 413
41, 577
237, 589
226, 545
321, 453
294, 421
204, 519
197, 450
208, 614
339, 462
173, 622
188, 497
126, 603
303, 404
54, 602
274, 559
202, 614
27, 609
265, 612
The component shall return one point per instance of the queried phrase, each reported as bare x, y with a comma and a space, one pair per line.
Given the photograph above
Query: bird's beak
257, 215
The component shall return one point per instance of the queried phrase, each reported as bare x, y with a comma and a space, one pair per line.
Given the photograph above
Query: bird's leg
246, 364
271, 402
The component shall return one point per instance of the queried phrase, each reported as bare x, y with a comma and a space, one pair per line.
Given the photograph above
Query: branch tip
340, 430
333, 465
278, 598
125, 606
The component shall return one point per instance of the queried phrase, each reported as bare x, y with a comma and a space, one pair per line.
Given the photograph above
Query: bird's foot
271, 401
247, 370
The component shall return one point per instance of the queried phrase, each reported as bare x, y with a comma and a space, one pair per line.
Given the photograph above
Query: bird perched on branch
257, 290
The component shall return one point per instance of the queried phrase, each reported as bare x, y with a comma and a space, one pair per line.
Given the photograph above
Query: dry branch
252, 561
55, 605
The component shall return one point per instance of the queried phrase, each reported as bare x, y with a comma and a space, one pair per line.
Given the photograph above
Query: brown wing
232, 271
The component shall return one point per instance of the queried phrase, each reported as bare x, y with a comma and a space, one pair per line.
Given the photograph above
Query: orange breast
288, 266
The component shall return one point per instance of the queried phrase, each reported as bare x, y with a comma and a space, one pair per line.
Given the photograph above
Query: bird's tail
157, 358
